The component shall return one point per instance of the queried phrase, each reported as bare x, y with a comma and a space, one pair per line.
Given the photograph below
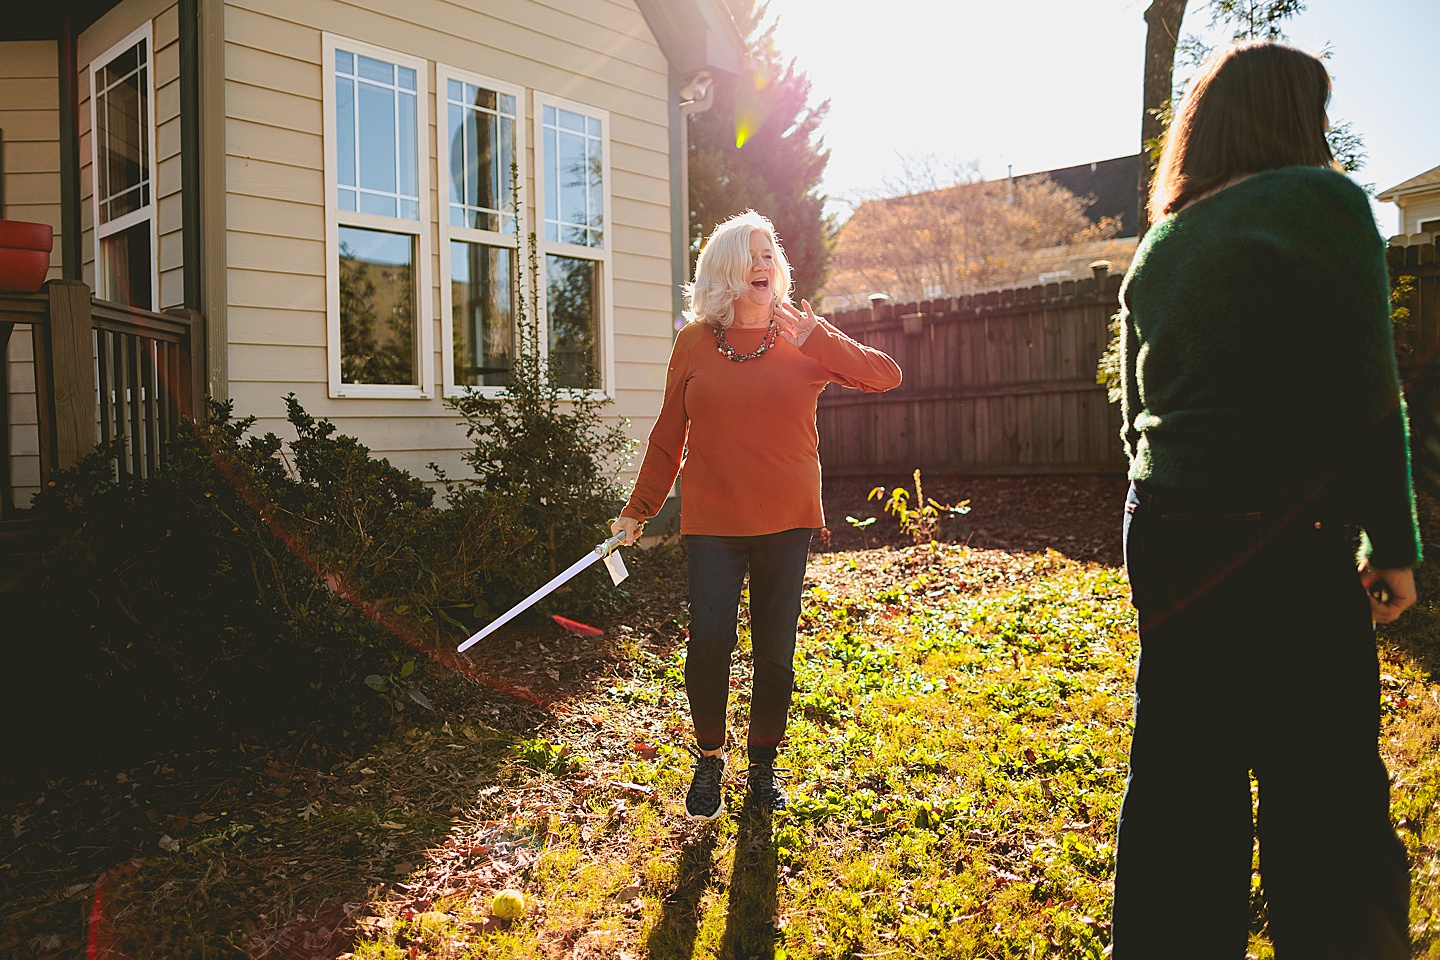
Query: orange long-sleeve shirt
746, 431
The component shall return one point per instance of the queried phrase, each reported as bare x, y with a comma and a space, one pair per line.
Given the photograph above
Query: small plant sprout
861, 525
917, 522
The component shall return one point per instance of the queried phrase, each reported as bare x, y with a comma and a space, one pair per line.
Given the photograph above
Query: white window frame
603, 255
335, 218
448, 232
148, 212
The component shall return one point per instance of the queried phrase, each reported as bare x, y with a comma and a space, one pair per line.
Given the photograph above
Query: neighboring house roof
1425, 182
1113, 183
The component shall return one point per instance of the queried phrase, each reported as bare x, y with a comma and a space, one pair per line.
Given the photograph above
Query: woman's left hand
794, 325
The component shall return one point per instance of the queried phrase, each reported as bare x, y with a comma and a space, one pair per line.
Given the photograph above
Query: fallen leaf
645, 751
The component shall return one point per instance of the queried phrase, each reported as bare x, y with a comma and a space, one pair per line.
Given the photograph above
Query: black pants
717, 568
1257, 654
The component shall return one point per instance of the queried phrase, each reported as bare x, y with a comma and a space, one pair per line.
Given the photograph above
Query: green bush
243, 589
547, 448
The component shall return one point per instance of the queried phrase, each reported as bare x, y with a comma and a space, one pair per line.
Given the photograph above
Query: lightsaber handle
610, 545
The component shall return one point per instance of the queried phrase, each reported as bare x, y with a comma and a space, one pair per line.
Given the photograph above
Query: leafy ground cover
957, 747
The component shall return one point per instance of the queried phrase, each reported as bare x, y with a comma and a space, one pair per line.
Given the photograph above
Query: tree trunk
1162, 18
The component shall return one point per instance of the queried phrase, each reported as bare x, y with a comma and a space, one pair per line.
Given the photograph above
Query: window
476, 152
1429, 226
573, 150
123, 157
377, 218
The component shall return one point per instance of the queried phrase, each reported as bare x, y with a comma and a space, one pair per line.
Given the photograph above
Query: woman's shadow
750, 918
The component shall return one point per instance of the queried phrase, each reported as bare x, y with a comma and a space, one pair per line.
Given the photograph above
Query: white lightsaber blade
601, 551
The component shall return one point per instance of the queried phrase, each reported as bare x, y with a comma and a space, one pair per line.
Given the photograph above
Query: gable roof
1113, 183
1430, 178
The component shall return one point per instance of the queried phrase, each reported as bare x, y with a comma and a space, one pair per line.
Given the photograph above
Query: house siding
597, 52
109, 30
1417, 211
30, 123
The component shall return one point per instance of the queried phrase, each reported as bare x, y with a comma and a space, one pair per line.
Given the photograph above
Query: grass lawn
957, 743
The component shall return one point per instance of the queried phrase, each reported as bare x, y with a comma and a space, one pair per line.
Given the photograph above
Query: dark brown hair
1256, 106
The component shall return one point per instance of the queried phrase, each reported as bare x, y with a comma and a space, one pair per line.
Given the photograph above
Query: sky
1039, 84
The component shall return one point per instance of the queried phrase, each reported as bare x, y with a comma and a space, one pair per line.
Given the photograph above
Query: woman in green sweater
1262, 415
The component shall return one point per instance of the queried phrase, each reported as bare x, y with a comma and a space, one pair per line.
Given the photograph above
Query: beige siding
30, 127
109, 30
596, 52
1417, 211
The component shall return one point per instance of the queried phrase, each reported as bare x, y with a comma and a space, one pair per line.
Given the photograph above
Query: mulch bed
1075, 516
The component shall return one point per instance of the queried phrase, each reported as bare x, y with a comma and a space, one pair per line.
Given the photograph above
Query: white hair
722, 272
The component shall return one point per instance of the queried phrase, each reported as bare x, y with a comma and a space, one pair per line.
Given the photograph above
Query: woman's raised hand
794, 325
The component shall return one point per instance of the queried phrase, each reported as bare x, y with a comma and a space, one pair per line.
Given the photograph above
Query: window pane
572, 297
122, 131
347, 199
483, 319
573, 174
552, 181
345, 131
377, 138
409, 178
377, 70
377, 307
574, 178
486, 161
125, 266
482, 147
407, 78
344, 62
455, 138
380, 204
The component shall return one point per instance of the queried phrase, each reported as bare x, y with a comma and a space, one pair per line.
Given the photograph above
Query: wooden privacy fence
1417, 345
103, 371
1004, 383
998, 383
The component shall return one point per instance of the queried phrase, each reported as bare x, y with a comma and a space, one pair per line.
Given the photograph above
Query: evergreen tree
758, 147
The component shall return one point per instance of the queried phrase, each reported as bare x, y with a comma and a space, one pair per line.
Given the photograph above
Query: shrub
238, 590
547, 447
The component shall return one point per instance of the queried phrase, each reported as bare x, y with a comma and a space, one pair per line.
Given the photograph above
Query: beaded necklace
723, 345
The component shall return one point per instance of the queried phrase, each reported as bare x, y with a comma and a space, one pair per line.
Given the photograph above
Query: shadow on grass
750, 921
673, 938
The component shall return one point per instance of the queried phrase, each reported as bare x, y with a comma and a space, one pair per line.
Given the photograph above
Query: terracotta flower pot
24, 255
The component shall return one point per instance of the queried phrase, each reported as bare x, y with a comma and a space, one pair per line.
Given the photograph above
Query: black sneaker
762, 785
705, 801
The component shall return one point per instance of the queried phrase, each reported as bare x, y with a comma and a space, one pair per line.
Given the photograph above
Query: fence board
995, 383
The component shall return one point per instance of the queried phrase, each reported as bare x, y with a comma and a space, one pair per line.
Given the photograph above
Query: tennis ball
508, 905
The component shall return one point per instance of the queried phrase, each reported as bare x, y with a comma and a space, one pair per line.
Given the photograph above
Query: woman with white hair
739, 408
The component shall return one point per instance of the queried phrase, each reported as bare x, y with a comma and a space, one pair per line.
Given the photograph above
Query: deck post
71, 362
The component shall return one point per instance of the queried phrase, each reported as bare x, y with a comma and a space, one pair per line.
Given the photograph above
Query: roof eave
1395, 194
696, 35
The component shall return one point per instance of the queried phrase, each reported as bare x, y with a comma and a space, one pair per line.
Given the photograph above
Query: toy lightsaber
602, 551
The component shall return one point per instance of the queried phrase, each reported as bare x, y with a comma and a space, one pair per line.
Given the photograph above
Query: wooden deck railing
103, 371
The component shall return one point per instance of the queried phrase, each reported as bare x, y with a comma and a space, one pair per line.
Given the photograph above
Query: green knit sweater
1258, 355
